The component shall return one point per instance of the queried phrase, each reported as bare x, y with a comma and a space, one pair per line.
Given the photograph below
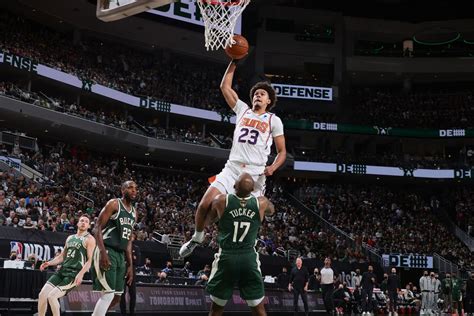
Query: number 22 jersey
253, 135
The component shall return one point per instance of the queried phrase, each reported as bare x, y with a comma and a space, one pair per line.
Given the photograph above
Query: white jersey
253, 135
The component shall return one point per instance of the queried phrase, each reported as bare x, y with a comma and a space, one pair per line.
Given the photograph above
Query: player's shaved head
126, 184
244, 185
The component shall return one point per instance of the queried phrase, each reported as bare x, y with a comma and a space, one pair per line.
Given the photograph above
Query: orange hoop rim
222, 3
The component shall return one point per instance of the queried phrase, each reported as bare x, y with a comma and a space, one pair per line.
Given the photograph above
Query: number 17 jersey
240, 223
253, 135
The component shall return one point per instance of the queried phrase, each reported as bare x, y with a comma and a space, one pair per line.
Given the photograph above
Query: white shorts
225, 180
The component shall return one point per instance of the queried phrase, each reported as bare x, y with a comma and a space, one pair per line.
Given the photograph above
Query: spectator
368, 283
146, 269
29, 224
314, 283
204, 275
356, 278
162, 278
168, 269
299, 285
283, 278
393, 288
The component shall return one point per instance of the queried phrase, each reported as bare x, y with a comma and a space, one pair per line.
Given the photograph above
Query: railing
443, 265
368, 251
78, 196
461, 234
172, 242
25, 170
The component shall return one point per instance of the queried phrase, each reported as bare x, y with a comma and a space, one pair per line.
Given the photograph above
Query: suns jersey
253, 135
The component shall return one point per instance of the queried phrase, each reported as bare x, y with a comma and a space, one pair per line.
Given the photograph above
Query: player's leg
224, 183
120, 272
43, 298
53, 299
104, 281
216, 309
250, 281
259, 310
103, 303
221, 282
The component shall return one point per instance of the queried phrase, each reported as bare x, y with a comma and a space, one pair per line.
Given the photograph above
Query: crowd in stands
388, 220
383, 159
76, 181
117, 118
461, 208
442, 109
188, 81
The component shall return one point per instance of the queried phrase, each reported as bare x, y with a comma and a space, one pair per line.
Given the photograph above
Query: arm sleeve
277, 126
291, 276
239, 108
306, 276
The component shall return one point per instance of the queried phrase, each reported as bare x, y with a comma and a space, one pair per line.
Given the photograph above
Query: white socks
103, 304
198, 236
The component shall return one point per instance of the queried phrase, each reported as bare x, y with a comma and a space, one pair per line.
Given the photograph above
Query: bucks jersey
239, 225
76, 253
118, 230
253, 135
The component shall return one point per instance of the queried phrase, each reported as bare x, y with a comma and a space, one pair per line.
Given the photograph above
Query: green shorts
239, 268
63, 280
112, 280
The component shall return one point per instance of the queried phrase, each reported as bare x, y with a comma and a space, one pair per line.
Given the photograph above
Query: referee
327, 286
299, 285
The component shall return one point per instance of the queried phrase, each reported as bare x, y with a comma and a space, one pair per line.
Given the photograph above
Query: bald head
244, 185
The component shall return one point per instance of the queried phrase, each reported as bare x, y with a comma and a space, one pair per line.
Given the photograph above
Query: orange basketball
239, 49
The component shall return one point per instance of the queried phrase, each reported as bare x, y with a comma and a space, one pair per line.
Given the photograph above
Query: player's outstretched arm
109, 209
90, 246
229, 94
56, 260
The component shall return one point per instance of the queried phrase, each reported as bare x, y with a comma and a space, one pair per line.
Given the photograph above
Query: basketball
238, 50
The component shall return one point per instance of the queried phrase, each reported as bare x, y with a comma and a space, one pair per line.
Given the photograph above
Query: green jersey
239, 225
76, 253
118, 230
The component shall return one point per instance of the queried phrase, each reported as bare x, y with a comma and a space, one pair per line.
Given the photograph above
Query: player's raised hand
104, 261
44, 265
269, 170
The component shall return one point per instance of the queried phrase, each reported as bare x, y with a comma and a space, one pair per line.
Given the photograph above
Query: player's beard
128, 198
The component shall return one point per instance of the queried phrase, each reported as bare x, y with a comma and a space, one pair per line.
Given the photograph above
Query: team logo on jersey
261, 126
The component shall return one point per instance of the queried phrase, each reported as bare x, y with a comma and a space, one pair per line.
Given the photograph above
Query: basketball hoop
219, 18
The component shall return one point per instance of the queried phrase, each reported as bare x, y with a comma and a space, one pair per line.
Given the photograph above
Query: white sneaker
188, 248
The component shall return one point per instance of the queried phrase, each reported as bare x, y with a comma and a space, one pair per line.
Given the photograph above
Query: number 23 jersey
253, 135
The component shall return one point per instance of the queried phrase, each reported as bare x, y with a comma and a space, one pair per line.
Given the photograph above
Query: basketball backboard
112, 10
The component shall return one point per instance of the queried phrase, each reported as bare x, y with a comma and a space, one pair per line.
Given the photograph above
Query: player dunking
114, 245
76, 260
255, 131
240, 216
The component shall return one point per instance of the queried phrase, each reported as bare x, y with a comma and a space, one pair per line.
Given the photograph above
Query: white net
219, 18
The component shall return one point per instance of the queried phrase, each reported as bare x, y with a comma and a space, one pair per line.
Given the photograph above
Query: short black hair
265, 85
